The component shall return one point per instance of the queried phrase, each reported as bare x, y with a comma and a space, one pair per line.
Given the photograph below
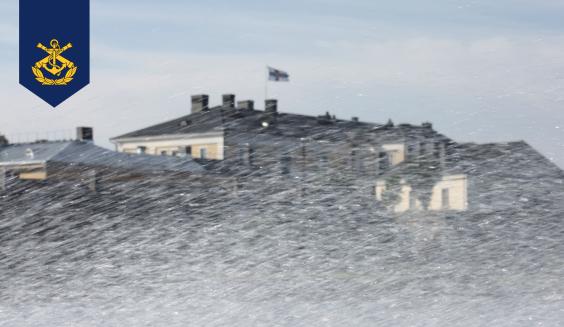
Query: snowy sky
480, 70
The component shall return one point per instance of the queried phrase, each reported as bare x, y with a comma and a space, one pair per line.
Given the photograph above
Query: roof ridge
153, 125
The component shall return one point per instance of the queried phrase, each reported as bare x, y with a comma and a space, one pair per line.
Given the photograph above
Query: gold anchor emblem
54, 63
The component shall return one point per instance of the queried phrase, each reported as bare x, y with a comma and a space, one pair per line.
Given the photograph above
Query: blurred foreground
158, 251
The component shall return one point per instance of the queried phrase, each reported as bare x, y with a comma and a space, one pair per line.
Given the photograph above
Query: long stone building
237, 139
243, 135
409, 167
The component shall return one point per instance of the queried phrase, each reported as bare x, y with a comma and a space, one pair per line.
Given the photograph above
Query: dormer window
29, 153
203, 153
395, 153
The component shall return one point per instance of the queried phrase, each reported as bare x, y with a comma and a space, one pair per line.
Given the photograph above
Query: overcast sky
480, 70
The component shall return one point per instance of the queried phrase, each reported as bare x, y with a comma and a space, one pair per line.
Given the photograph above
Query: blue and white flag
277, 75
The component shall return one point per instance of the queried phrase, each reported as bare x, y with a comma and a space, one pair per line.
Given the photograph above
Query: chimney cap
85, 134
229, 100
200, 95
200, 102
271, 105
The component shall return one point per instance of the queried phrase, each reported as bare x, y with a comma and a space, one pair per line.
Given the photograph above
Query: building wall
27, 171
34, 175
3, 178
159, 146
456, 187
396, 153
213, 151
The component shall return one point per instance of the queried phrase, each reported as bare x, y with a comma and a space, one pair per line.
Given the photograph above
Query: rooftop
227, 118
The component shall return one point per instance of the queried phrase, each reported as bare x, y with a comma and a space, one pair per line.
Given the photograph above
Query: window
163, 153
437, 150
175, 153
251, 155
412, 201
188, 150
445, 199
357, 161
396, 153
245, 154
203, 153
384, 162
285, 163
324, 161
141, 149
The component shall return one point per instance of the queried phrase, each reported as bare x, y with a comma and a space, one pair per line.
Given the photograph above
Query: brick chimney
246, 105
271, 106
85, 134
229, 100
200, 103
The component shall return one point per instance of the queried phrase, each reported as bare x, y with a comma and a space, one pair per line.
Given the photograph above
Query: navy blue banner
54, 50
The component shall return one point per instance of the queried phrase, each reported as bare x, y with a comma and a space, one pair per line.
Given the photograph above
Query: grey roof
76, 152
225, 119
511, 158
30, 153
200, 122
407, 133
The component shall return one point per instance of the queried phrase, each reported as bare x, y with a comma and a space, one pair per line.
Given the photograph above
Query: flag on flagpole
277, 75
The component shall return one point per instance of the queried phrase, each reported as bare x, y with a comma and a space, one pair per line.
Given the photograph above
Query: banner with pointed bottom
54, 59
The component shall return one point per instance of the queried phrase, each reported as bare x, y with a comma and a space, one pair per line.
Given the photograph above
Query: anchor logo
54, 63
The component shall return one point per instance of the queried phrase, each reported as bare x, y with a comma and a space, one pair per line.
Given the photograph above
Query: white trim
154, 145
166, 137
21, 163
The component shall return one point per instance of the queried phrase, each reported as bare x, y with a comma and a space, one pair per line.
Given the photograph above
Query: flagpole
266, 84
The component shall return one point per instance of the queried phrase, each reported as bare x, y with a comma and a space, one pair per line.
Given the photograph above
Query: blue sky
483, 71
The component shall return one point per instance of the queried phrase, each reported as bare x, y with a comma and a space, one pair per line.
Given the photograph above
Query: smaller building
81, 160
